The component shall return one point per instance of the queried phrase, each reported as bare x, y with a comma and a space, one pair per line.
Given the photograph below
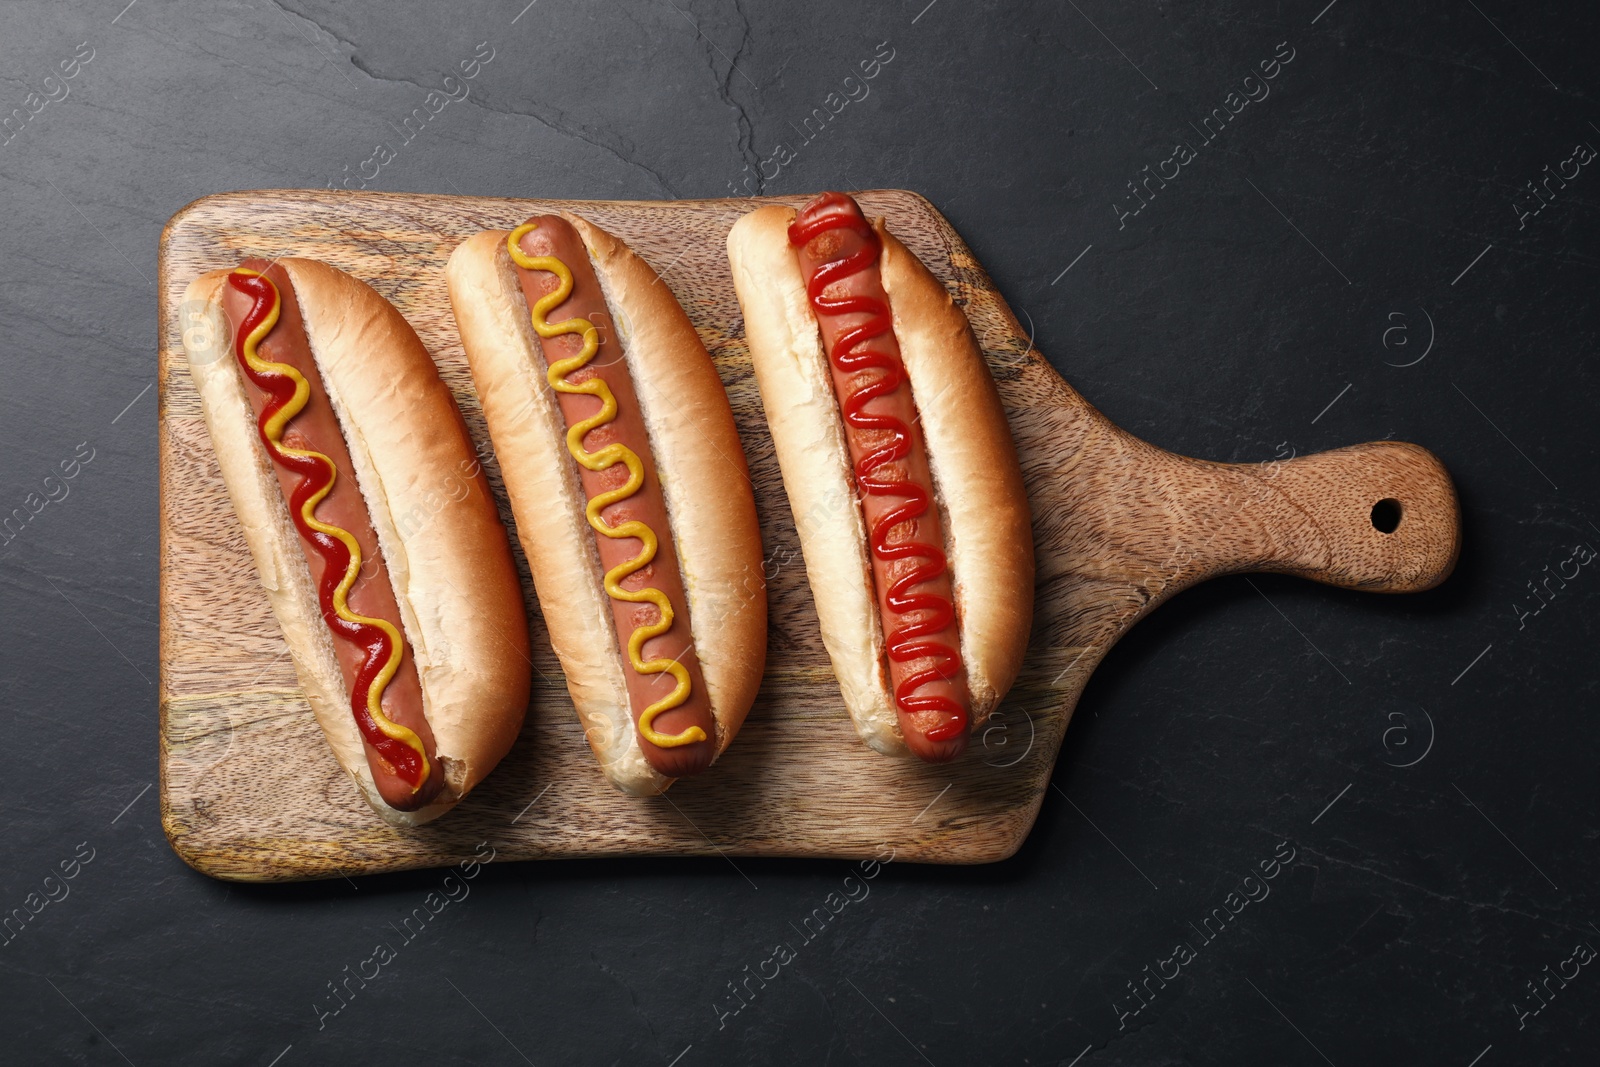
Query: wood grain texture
249, 790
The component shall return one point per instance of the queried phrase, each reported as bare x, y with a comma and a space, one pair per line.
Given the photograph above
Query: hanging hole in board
1386, 515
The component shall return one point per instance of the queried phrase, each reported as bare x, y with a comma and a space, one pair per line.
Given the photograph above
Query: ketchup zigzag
607, 457
287, 394
905, 641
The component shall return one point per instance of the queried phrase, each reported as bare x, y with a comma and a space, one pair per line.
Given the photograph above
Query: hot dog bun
977, 479
449, 559
702, 472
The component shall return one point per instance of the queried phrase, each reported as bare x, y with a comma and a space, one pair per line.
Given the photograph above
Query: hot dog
629, 487
371, 525
900, 469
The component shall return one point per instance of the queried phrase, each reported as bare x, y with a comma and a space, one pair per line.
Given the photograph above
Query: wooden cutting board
249, 790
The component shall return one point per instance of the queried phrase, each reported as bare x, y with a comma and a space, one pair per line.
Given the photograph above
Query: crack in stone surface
556, 120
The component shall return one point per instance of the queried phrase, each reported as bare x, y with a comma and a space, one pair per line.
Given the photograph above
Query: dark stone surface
1373, 190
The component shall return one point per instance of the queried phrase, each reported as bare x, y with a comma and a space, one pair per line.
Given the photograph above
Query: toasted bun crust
977, 478
703, 473
454, 578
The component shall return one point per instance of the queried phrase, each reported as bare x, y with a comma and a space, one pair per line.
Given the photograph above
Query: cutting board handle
1379, 517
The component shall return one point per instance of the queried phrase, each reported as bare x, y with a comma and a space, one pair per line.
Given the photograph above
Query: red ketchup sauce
316, 472
904, 530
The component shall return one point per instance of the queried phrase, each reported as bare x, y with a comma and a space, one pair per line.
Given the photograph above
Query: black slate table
1289, 825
